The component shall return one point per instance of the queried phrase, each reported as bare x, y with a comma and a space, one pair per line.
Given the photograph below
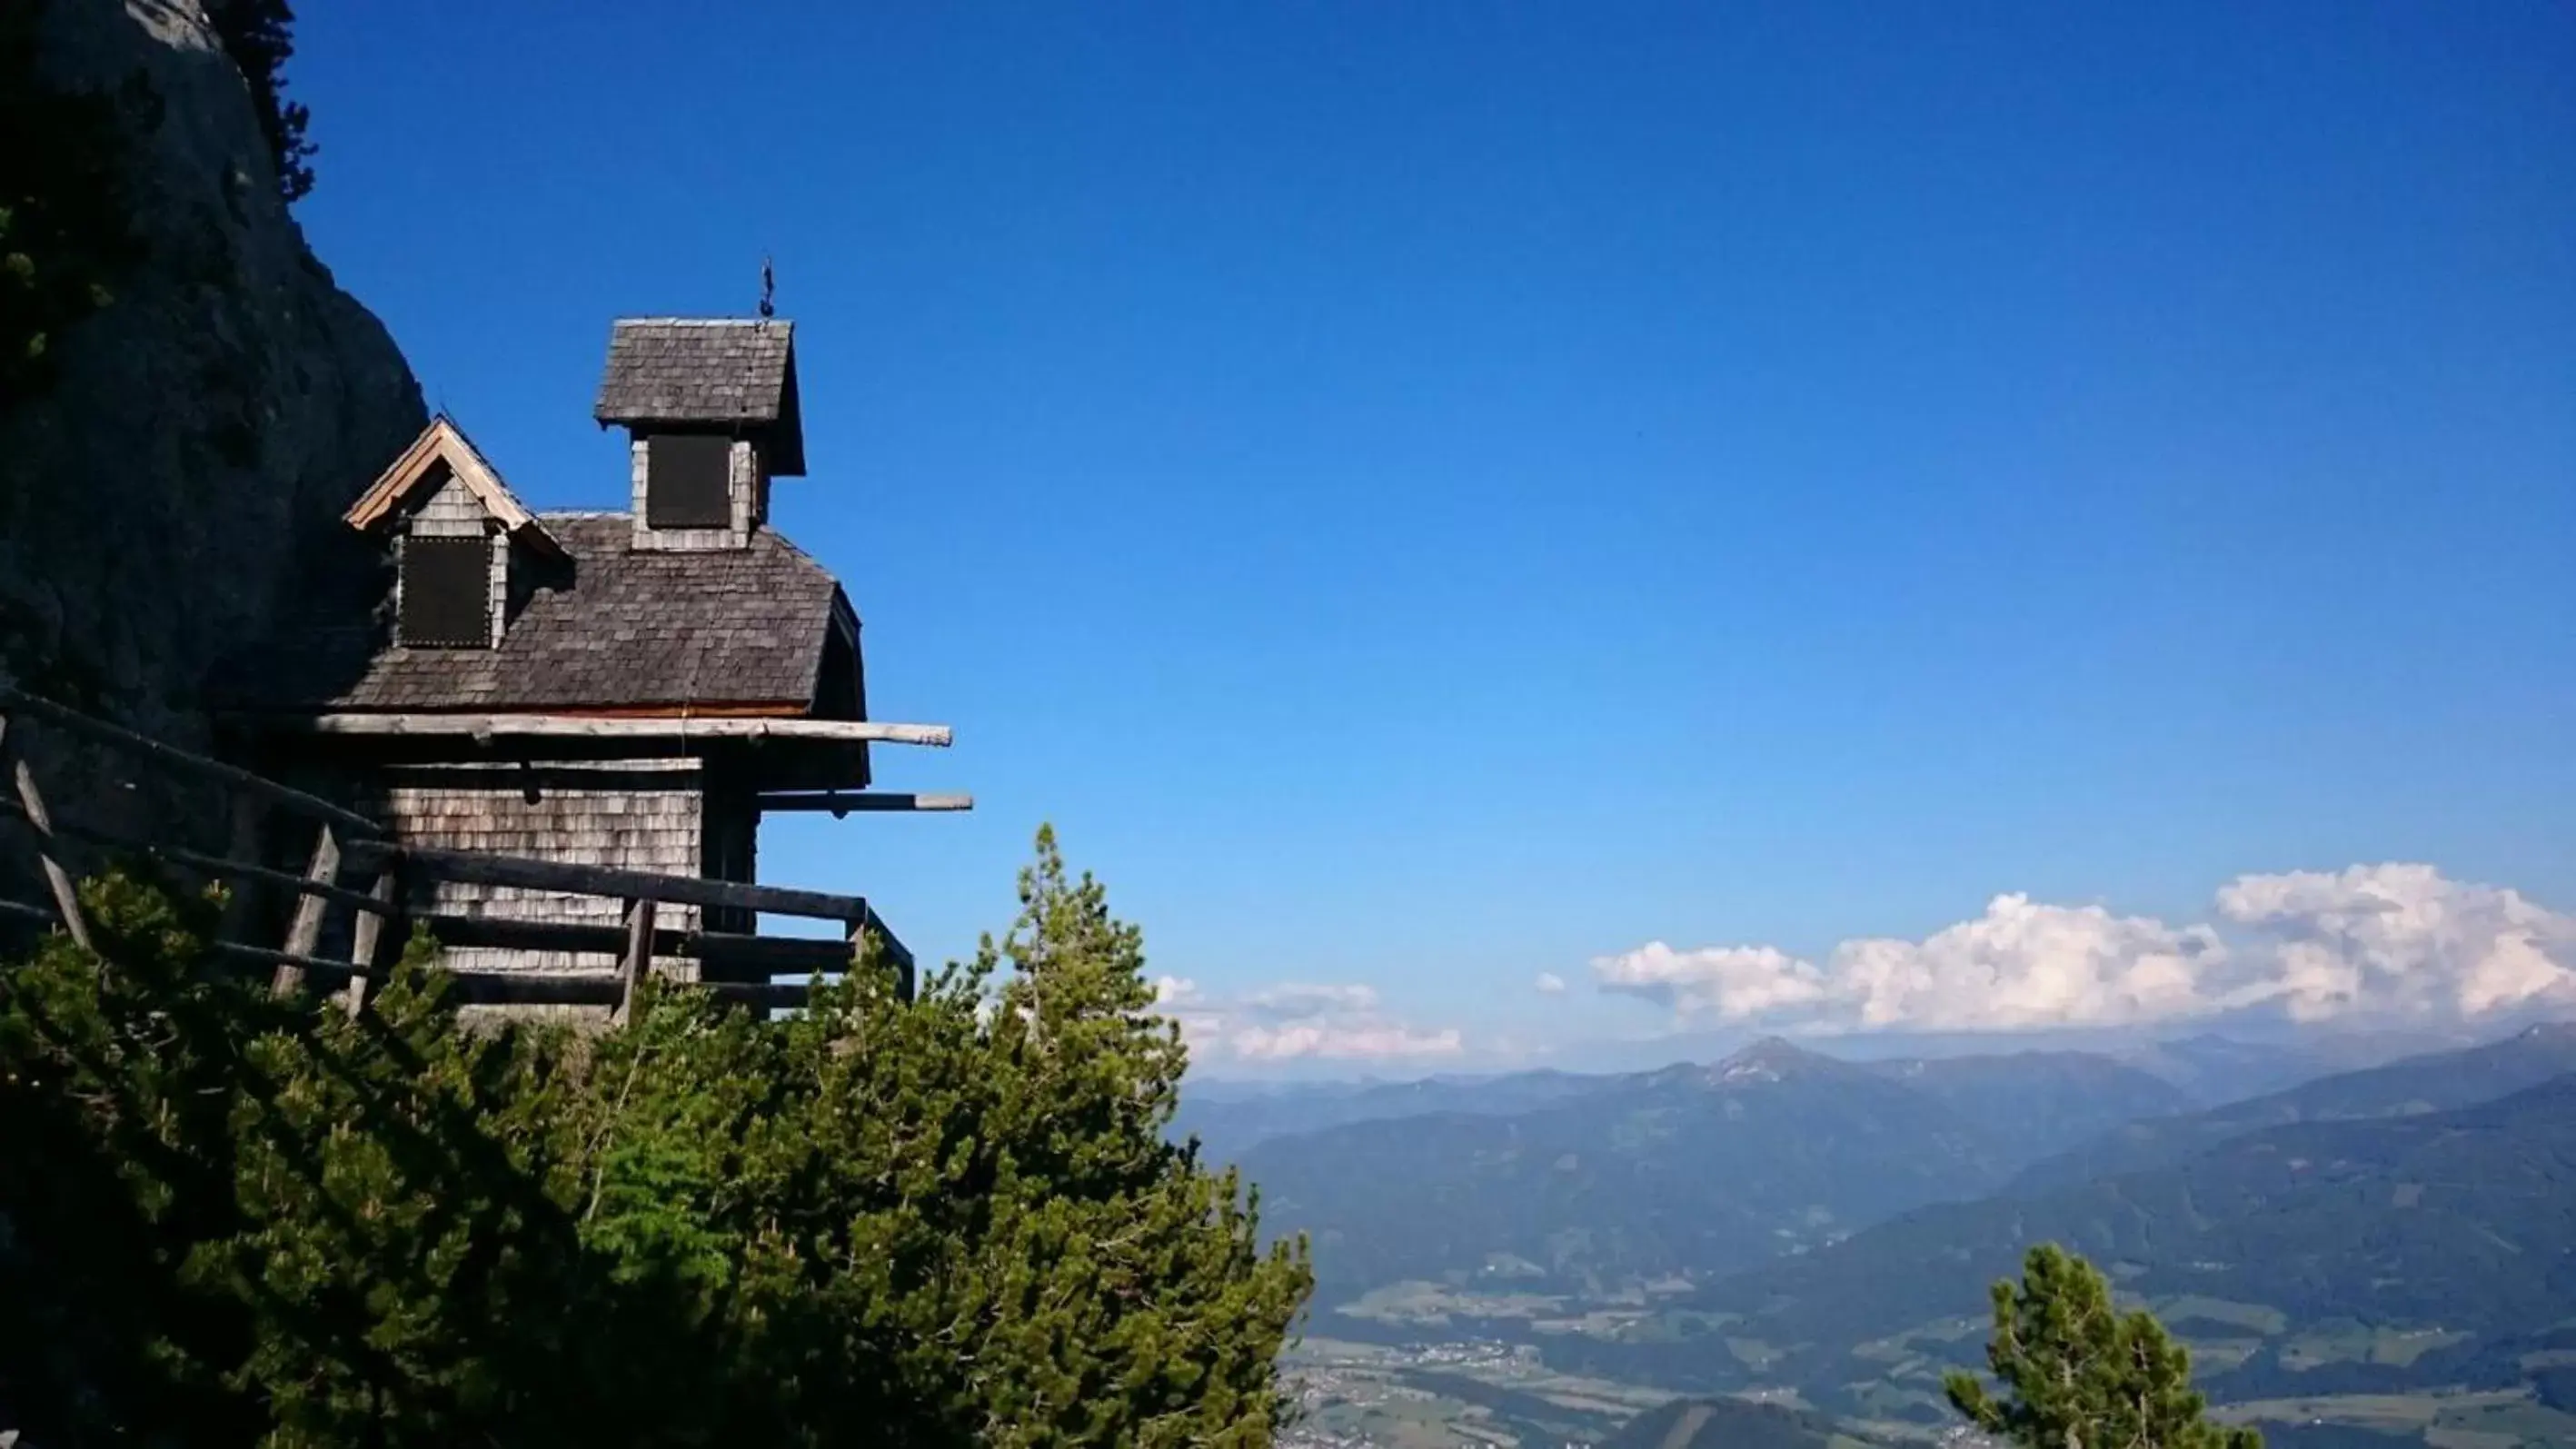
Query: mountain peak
1770, 1059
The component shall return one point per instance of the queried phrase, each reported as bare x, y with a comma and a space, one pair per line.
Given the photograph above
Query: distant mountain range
1692, 1170
2429, 1083
2035, 1103
1228, 1122
1231, 1116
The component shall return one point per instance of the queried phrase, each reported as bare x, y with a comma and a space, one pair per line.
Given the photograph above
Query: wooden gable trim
844, 628
443, 442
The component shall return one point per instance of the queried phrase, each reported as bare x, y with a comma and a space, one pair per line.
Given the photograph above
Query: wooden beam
27, 912
310, 911
869, 926
896, 950
320, 970
636, 966
368, 906
843, 802
173, 758
735, 956
667, 727
31, 802
601, 988
476, 868
214, 865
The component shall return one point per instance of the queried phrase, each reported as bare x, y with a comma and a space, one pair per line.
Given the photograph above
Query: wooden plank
311, 911
666, 727
476, 868
25, 911
528, 988
360, 901
715, 951
601, 988
31, 802
636, 966
215, 865
843, 802
321, 971
368, 937
174, 758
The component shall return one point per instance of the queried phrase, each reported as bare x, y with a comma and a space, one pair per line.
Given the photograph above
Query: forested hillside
2317, 1258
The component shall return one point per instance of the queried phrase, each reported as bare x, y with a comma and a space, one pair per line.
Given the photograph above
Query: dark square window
688, 481
447, 592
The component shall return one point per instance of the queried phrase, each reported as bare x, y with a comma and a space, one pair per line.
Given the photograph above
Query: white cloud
2373, 942
2024, 964
1550, 984
1345, 1039
1297, 1020
2403, 940
1731, 983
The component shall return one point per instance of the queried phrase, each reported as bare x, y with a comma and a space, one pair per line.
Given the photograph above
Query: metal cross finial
768, 289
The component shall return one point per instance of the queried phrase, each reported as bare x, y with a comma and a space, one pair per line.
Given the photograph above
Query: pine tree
259, 35
2079, 1374
114, 1086
958, 1221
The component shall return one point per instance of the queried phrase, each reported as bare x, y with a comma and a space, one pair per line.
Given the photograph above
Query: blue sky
1425, 495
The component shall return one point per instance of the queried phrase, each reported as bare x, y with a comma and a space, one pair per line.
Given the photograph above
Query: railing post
57, 879
638, 963
367, 942
310, 910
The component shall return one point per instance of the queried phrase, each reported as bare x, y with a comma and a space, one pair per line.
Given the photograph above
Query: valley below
2363, 1259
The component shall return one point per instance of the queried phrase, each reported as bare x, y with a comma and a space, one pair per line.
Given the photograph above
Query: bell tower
709, 408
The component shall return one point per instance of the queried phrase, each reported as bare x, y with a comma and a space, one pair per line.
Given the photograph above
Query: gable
441, 462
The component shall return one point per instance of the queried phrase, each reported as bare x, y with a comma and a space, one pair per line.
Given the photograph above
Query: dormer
709, 408
464, 548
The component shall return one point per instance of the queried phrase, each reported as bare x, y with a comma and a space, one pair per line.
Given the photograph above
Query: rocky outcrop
178, 485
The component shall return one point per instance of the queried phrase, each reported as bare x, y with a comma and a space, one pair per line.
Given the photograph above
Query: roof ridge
703, 322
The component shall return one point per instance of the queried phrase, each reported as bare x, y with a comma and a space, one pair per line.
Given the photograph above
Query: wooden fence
356, 866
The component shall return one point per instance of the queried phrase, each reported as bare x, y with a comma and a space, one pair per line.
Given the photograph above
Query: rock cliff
178, 482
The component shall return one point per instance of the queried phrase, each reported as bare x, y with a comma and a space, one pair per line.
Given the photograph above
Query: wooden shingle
720, 372
615, 627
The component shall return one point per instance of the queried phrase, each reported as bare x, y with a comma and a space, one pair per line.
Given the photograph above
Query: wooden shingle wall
642, 815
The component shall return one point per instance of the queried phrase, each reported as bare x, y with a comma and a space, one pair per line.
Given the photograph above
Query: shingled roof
731, 371
622, 628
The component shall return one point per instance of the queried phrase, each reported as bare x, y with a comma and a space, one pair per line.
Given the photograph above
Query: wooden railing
735, 966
